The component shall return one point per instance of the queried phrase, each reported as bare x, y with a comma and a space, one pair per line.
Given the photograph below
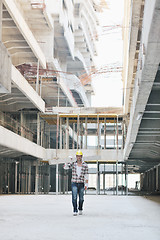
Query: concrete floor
49, 217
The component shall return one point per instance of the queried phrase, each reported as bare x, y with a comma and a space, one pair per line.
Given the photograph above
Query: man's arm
86, 178
68, 165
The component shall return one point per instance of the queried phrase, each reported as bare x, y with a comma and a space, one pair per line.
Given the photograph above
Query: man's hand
85, 188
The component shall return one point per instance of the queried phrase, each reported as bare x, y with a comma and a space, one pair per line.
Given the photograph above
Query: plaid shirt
84, 172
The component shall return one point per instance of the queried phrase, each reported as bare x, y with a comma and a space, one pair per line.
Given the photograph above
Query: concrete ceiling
142, 148
146, 149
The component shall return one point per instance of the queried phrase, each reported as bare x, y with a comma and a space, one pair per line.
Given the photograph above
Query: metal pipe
85, 133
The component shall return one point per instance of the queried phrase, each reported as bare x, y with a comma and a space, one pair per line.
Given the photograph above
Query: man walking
79, 181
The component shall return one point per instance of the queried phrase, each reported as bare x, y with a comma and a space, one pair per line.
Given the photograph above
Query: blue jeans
77, 189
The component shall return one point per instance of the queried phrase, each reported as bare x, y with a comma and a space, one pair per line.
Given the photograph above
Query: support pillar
81, 126
98, 180
73, 133
157, 185
29, 177
117, 178
60, 140
126, 178
56, 178
22, 125
42, 133
38, 129
16, 176
36, 178
122, 176
113, 179
78, 131
57, 133
85, 133
67, 133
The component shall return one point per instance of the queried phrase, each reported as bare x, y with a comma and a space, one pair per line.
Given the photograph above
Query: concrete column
81, 127
22, 124
104, 133
2, 121
64, 139
123, 139
40, 90
98, 179
85, 133
42, 133
60, 183
29, 177
73, 133
58, 96
57, 179
67, 184
36, 178
64, 182
126, 178
78, 131
57, 133
113, 178
38, 129
157, 185
49, 138
117, 178
117, 134
122, 176
67, 133
19, 177
60, 140
26, 172
16, 177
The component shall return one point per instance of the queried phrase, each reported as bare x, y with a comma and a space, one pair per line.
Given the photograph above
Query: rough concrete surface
49, 217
